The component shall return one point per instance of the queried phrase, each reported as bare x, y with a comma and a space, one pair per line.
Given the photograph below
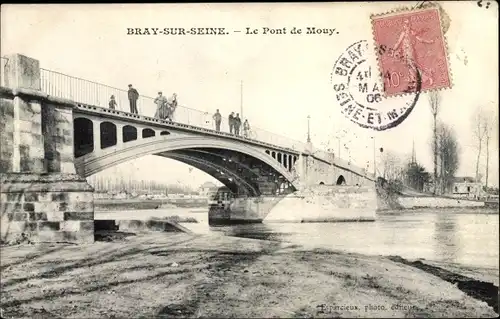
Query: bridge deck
143, 119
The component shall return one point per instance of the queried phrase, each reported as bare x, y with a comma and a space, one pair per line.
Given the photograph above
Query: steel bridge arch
97, 161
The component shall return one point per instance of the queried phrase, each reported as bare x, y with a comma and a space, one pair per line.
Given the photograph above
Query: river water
467, 237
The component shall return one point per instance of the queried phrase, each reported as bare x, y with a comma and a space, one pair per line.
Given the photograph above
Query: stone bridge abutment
41, 195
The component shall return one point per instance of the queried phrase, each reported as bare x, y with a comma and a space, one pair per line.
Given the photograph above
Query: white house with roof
467, 187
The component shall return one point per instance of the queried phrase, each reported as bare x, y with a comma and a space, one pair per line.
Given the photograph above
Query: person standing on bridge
237, 124
161, 106
172, 106
112, 103
246, 128
133, 95
231, 122
218, 119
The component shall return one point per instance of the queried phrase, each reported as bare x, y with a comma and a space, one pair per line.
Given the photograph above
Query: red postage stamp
411, 51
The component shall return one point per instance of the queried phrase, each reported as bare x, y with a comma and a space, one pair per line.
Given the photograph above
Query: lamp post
338, 141
308, 129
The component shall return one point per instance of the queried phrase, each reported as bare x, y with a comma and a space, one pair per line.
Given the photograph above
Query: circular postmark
361, 96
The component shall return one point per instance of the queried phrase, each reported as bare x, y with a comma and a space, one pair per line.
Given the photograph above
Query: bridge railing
276, 139
93, 93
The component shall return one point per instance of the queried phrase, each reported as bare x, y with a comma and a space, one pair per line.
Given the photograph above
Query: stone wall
327, 204
242, 210
327, 171
29, 138
437, 202
320, 203
389, 199
42, 199
22, 141
6, 135
253, 208
58, 133
46, 208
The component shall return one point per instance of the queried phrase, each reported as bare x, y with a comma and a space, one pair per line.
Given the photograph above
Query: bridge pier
41, 196
229, 210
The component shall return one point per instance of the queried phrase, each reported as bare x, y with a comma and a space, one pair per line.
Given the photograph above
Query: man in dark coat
231, 122
133, 95
218, 119
237, 124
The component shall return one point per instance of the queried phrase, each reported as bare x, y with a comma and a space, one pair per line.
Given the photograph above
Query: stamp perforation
400, 10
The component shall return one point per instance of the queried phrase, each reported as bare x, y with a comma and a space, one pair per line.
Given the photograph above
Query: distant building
467, 187
207, 189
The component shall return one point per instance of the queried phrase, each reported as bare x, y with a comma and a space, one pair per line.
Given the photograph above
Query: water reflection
466, 238
445, 237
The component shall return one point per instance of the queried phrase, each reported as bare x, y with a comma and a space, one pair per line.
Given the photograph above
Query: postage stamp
409, 43
359, 93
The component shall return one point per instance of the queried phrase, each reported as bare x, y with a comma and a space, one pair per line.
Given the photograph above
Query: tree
448, 149
435, 102
488, 125
479, 133
391, 166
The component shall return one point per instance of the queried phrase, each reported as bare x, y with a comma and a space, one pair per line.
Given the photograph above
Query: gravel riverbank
187, 275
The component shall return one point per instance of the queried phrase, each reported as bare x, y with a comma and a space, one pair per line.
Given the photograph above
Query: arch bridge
104, 138
55, 131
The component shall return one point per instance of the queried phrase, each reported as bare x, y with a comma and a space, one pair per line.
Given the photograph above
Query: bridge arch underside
245, 170
242, 174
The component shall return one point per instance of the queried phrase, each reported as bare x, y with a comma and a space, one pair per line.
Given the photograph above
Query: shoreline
202, 210
456, 210
190, 275
140, 204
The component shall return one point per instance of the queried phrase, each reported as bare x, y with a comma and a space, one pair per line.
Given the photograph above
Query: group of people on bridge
234, 123
165, 110
133, 96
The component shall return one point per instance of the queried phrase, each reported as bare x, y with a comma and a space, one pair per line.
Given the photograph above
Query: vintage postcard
249, 160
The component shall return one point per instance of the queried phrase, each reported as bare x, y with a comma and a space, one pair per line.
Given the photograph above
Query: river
466, 237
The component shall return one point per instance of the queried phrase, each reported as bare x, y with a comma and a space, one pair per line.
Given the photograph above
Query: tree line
445, 150
483, 122
120, 184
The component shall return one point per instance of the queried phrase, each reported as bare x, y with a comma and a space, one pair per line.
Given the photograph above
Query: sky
286, 78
